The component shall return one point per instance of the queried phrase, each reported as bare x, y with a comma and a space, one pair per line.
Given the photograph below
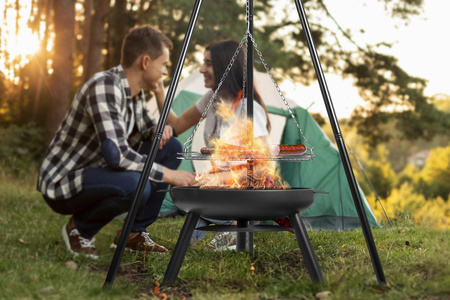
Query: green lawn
34, 263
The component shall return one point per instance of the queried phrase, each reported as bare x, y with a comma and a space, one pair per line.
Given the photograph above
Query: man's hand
158, 89
166, 135
179, 177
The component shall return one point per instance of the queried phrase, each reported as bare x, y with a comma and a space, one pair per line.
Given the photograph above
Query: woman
217, 57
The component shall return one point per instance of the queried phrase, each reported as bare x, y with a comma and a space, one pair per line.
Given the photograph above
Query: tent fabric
182, 102
333, 211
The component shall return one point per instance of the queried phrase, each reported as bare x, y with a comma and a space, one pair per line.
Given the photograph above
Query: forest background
398, 141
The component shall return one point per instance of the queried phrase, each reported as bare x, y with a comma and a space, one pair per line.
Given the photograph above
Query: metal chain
188, 143
280, 93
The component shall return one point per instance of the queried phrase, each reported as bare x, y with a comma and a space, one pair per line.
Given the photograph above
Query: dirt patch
287, 263
137, 273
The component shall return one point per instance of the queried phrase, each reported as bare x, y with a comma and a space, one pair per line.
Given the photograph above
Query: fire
240, 161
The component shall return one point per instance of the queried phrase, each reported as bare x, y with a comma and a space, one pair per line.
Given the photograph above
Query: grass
34, 263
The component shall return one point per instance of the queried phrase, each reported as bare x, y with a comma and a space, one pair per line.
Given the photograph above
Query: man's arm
104, 107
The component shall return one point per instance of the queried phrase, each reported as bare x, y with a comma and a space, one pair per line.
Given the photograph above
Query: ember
233, 158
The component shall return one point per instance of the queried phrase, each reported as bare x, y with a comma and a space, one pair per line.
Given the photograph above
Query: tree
61, 79
381, 81
436, 173
96, 38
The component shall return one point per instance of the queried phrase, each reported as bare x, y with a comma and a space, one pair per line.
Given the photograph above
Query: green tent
332, 211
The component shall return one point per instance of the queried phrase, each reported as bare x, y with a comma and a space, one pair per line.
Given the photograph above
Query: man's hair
143, 40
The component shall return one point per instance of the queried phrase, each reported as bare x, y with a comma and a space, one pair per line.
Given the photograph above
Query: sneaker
77, 244
139, 241
223, 241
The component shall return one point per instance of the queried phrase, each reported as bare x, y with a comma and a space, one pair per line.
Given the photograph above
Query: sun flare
18, 43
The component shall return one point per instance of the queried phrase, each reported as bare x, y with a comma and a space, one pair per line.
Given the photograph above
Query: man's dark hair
143, 40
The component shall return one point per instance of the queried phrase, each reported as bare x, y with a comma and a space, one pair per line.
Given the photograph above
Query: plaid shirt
102, 117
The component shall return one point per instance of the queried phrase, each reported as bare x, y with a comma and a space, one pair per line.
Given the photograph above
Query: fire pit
243, 183
243, 205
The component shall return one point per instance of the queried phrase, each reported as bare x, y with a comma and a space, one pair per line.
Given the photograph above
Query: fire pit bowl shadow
244, 206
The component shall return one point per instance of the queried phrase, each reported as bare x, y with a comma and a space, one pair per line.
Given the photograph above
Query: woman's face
207, 71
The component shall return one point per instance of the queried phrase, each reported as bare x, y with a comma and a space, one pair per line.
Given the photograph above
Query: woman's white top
215, 126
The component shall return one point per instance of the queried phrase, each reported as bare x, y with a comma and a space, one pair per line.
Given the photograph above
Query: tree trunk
41, 58
86, 34
96, 37
60, 81
119, 27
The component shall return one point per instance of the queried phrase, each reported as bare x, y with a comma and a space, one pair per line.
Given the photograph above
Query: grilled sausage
288, 149
207, 150
229, 149
275, 150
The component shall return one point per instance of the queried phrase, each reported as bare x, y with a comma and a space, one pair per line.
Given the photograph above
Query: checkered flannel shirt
100, 116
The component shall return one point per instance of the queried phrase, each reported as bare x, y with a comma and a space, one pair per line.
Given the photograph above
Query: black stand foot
180, 249
307, 251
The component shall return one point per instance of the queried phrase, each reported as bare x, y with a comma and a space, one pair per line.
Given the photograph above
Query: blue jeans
108, 193
200, 234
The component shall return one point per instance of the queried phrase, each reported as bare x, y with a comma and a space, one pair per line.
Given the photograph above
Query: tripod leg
341, 146
180, 249
115, 263
307, 251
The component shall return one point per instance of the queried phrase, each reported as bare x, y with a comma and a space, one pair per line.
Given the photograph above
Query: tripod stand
109, 281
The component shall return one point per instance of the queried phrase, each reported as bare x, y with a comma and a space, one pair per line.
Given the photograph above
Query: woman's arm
182, 123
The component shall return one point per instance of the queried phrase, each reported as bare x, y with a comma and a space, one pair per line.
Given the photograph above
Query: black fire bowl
242, 204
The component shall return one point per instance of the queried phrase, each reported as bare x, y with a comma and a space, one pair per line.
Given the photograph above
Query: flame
235, 163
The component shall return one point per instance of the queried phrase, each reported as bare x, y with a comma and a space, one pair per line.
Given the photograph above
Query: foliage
442, 102
436, 173
20, 148
405, 202
392, 95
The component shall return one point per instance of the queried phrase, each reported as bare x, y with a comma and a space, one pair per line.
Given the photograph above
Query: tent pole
341, 146
114, 267
377, 198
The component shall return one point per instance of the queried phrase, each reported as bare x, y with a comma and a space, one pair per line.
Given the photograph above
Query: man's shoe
223, 241
77, 244
139, 241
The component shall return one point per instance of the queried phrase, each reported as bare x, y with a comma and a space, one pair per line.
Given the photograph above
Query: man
92, 167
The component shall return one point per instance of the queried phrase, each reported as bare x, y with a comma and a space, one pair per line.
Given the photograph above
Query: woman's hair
143, 40
221, 54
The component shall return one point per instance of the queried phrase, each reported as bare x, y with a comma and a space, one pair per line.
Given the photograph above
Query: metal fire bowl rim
242, 204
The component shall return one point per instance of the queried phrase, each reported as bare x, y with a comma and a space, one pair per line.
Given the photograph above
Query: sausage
298, 149
275, 150
207, 150
230, 149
